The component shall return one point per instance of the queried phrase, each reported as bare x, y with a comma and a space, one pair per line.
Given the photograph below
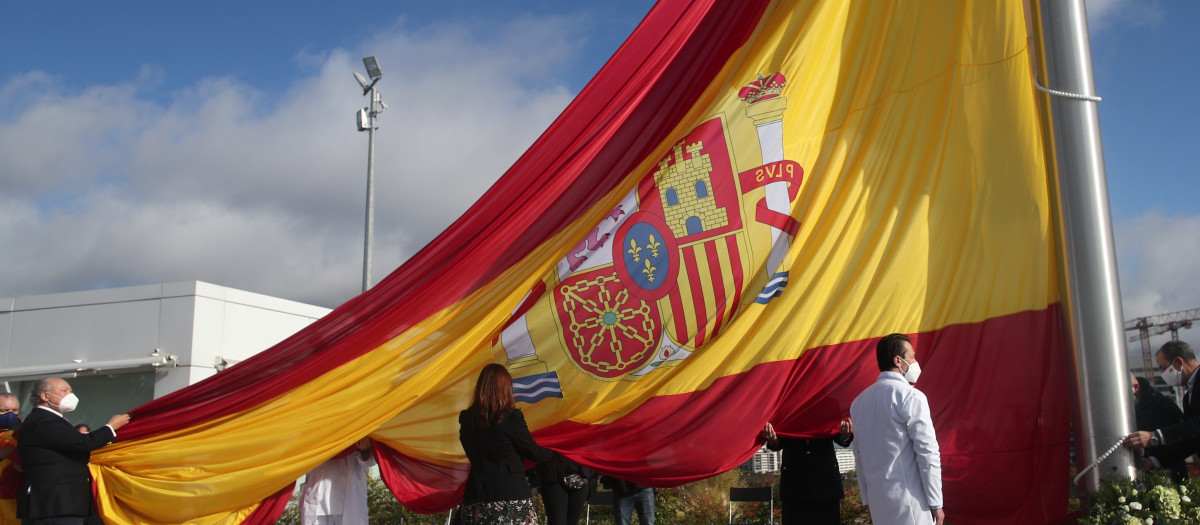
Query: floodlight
372, 68
362, 81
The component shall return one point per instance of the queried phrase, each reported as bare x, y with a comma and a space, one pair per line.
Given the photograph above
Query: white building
122, 347
766, 460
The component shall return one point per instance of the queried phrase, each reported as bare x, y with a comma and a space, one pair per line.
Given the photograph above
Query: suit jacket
497, 456
55, 458
1183, 438
1153, 411
810, 469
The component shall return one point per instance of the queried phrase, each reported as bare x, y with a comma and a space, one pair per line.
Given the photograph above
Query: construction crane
1157, 324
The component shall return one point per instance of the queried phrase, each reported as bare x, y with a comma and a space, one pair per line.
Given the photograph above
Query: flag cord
1100, 459
1064, 94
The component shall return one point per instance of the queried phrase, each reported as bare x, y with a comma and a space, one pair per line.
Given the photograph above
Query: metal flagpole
1092, 296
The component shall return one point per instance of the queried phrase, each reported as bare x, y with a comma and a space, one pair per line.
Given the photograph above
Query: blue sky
156, 142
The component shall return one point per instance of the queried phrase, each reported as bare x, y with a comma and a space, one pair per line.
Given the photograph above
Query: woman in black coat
496, 439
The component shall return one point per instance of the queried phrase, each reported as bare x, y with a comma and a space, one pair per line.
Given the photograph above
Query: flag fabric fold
710, 237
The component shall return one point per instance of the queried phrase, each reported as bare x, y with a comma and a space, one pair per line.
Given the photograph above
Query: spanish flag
711, 237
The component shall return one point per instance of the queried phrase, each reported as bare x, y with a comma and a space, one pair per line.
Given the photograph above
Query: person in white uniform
895, 450
335, 493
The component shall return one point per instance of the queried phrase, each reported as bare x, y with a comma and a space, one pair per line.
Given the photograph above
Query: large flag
711, 237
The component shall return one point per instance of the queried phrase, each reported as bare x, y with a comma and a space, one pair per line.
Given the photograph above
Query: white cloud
1107, 14
1159, 261
109, 186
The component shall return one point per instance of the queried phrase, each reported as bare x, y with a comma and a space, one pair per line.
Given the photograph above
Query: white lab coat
336, 489
896, 452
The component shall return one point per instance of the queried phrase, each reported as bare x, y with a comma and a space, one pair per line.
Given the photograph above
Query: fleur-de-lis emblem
653, 245
649, 271
634, 250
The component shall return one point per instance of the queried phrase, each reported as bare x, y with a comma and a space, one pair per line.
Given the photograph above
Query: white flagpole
1092, 296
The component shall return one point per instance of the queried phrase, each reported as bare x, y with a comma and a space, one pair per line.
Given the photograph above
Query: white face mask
1172, 376
913, 372
68, 402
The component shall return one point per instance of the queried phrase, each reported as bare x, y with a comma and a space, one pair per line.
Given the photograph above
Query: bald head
48, 391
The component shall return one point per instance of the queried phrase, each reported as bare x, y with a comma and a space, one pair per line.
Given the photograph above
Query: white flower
1185, 498
1135, 506
1135, 492
1149, 521
1121, 499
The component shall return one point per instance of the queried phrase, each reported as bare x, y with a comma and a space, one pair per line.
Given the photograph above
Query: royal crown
763, 88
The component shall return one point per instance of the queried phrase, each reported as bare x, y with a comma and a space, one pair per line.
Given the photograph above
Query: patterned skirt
511, 512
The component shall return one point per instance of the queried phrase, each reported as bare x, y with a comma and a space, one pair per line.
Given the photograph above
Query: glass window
100, 396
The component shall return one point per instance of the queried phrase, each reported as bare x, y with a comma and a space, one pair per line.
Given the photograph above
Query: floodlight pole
373, 113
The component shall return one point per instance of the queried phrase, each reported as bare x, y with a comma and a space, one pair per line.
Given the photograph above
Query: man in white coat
895, 449
335, 493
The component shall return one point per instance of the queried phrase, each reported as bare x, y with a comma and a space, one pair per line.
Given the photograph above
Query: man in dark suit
810, 486
1177, 365
1152, 411
58, 485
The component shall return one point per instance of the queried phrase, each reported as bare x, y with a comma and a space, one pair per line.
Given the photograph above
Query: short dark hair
888, 348
1176, 349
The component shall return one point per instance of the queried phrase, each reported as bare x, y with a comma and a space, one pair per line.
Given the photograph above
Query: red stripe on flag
735, 258
696, 283
680, 321
269, 510
422, 487
1018, 369
718, 285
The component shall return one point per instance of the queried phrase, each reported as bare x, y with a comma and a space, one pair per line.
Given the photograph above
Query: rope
1064, 94
1099, 460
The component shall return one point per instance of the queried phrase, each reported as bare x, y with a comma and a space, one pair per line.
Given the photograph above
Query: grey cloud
264, 191
1159, 259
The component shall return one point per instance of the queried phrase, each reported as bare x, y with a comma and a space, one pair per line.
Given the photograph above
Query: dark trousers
59, 520
563, 506
824, 512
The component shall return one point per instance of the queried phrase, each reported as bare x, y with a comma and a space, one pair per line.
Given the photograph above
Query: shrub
1153, 499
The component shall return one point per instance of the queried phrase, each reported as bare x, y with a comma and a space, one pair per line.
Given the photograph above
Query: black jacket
810, 470
554, 470
496, 454
620, 486
1181, 438
1153, 411
55, 457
